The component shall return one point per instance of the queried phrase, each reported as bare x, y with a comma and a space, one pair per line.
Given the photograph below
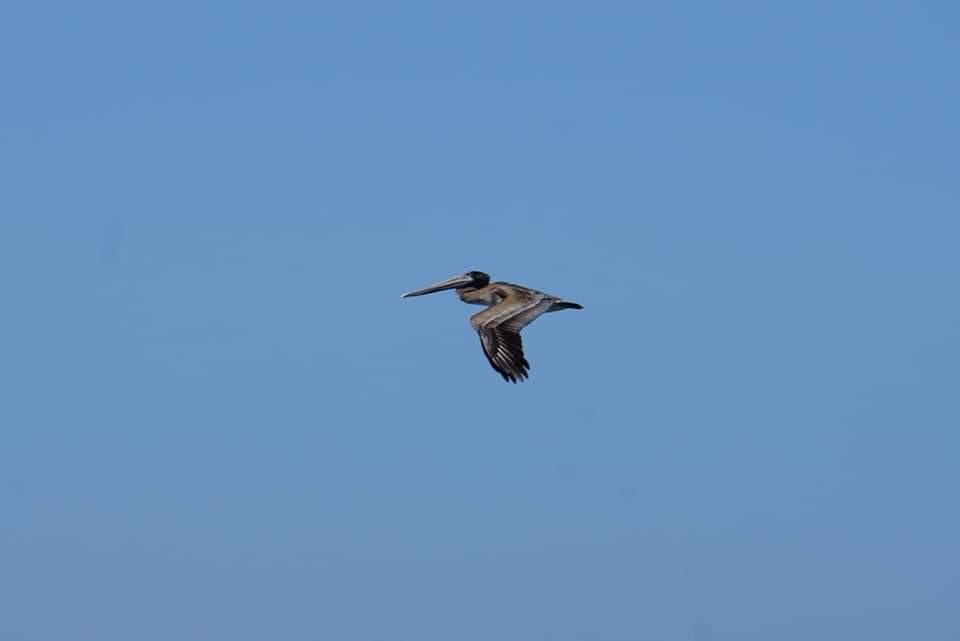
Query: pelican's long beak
450, 283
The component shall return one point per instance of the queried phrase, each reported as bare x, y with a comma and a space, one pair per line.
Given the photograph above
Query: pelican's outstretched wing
499, 328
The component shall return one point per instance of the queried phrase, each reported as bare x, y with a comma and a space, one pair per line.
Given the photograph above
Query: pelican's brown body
510, 308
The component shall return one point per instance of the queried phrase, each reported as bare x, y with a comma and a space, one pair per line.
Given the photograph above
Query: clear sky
220, 421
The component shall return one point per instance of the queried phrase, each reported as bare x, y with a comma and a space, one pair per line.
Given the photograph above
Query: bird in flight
510, 308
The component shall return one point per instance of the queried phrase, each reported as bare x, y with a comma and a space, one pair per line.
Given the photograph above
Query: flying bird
510, 308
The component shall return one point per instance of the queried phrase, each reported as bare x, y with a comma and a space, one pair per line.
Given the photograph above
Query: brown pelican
510, 308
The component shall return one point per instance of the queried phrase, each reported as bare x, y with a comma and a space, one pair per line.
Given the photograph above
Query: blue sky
221, 421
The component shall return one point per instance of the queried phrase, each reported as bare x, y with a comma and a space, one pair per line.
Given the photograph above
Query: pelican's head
470, 280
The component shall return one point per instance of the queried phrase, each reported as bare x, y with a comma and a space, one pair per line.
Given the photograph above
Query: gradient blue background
219, 420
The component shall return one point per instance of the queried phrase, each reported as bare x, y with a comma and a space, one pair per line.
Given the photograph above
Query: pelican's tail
564, 304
